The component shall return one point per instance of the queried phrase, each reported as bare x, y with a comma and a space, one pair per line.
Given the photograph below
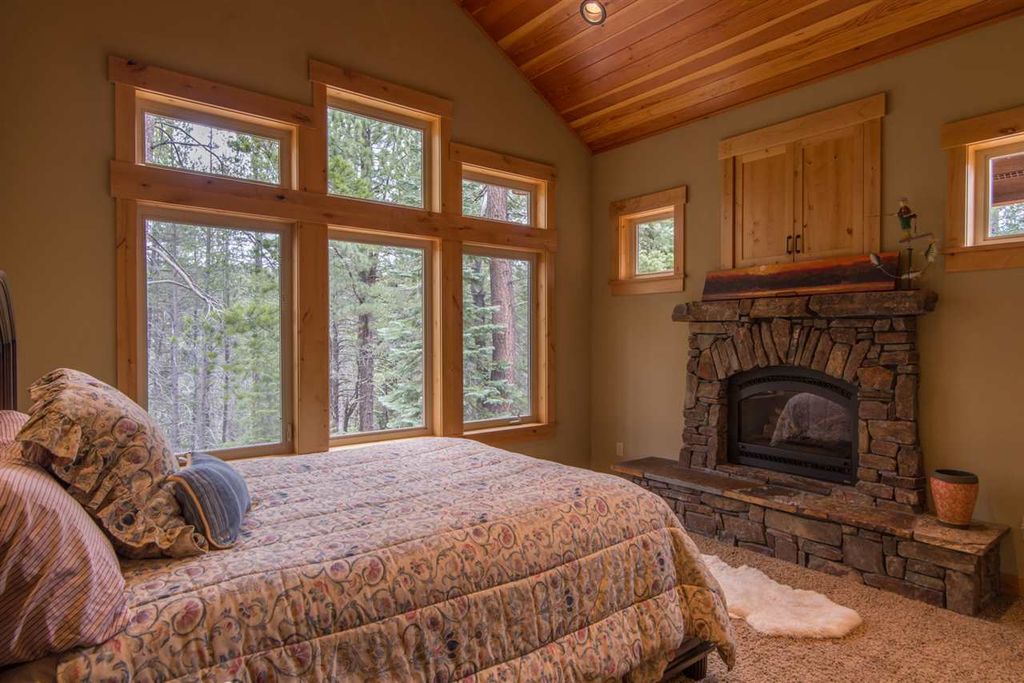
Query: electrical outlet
618, 449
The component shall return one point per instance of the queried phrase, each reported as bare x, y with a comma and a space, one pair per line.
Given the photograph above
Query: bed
429, 559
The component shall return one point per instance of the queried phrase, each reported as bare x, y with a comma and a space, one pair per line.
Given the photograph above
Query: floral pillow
114, 460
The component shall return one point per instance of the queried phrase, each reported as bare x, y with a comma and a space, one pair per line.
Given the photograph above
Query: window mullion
448, 340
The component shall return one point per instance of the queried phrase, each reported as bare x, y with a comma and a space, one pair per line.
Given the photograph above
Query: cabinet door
763, 211
830, 194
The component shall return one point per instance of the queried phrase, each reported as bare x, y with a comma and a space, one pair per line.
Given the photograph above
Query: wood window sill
647, 285
984, 257
521, 432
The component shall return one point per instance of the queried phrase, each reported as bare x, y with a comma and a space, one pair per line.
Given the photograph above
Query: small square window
655, 246
648, 243
376, 159
199, 143
999, 213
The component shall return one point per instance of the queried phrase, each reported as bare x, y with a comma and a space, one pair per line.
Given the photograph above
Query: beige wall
56, 133
972, 369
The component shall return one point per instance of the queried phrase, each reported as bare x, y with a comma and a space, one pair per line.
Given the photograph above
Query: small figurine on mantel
906, 275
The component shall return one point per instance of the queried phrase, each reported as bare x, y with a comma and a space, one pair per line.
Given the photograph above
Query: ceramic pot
954, 493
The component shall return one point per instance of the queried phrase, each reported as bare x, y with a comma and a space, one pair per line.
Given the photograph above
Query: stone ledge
848, 305
904, 553
923, 528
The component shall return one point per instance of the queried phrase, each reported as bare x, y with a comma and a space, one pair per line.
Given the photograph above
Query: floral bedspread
424, 560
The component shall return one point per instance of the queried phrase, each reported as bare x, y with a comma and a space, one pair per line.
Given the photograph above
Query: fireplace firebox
794, 420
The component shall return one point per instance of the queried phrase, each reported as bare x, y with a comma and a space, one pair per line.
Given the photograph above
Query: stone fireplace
837, 369
800, 441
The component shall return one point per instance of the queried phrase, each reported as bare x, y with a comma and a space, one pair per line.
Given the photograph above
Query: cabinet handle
797, 243
789, 249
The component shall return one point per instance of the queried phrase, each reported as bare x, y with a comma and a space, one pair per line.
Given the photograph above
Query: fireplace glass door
795, 421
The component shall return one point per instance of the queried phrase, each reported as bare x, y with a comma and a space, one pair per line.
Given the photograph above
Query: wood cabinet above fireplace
804, 189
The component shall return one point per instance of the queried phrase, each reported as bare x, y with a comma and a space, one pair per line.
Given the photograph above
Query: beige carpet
901, 640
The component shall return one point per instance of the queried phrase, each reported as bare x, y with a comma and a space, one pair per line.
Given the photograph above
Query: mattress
422, 560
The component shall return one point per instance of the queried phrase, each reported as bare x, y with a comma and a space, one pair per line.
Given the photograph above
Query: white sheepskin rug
778, 610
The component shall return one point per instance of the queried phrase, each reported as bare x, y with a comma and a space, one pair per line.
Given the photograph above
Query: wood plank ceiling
657, 64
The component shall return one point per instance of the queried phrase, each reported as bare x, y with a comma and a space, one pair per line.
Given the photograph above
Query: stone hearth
866, 339
909, 554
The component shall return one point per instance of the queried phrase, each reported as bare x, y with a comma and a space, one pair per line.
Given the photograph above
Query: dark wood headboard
8, 349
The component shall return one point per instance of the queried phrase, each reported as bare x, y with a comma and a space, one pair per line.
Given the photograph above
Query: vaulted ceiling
657, 64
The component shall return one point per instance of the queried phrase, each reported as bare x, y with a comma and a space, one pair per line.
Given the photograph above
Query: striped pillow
60, 582
213, 497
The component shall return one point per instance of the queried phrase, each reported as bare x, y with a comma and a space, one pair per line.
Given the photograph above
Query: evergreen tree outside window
655, 246
498, 333
202, 146
377, 337
371, 158
484, 198
214, 307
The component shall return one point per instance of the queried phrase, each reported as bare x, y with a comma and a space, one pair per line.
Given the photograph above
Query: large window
376, 159
498, 300
297, 276
378, 336
214, 320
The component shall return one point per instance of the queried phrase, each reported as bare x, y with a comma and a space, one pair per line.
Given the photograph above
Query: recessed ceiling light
593, 12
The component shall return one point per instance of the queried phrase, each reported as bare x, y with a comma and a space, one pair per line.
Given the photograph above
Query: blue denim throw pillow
213, 497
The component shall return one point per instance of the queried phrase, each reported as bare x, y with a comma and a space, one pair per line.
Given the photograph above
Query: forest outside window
198, 141
498, 199
499, 328
379, 347
648, 243
216, 312
376, 156
985, 205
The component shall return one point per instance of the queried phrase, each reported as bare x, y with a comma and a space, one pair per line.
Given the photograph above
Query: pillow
114, 460
213, 498
10, 422
60, 582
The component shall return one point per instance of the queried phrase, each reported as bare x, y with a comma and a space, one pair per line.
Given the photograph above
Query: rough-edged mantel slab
846, 305
923, 528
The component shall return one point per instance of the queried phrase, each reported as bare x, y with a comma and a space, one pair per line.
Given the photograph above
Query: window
201, 142
489, 198
340, 273
999, 193
376, 159
378, 336
498, 187
648, 243
985, 206
215, 328
498, 330
655, 245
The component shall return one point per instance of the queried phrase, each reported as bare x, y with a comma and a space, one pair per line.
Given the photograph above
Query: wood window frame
314, 216
505, 170
430, 337
152, 103
967, 247
625, 215
788, 137
132, 226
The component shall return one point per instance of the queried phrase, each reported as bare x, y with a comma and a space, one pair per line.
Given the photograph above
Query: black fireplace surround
794, 420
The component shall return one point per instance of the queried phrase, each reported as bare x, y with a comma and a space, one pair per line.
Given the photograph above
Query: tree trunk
365, 354
503, 338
